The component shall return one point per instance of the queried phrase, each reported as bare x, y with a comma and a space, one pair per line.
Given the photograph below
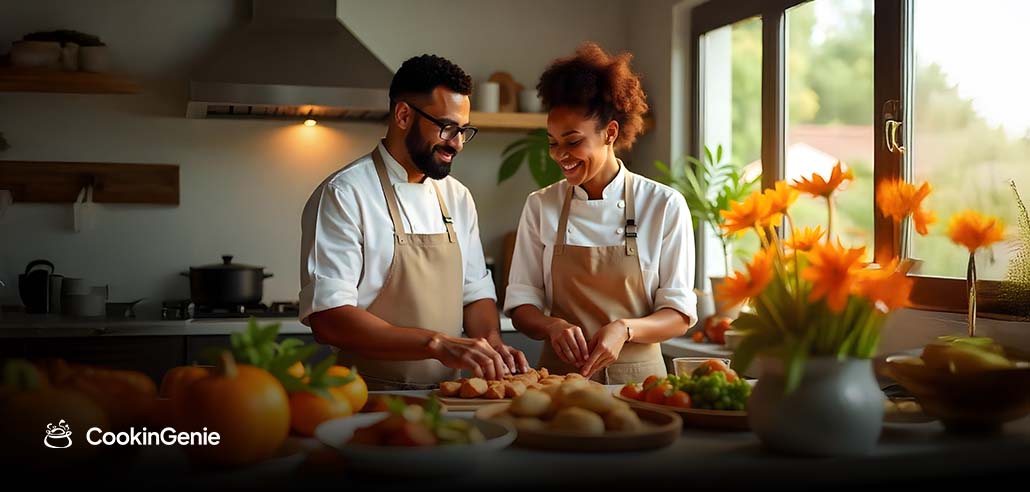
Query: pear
964, 357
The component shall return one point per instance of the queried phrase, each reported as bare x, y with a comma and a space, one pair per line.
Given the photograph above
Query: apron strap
563, 223
447, 220
391, 198
631, 215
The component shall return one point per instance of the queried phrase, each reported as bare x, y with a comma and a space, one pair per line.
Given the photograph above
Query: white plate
396, 460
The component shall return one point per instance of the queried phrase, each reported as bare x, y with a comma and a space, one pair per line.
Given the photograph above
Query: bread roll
595, 400
473, 388
529, 424
450, 388
495, 391
513, 389
578, 420
532, 403
623, 420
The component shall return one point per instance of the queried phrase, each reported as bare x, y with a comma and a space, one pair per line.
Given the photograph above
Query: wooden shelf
508, 121
60, 182
13, 79
524, 121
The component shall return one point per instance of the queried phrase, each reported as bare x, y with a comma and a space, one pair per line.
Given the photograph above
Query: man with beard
392, 267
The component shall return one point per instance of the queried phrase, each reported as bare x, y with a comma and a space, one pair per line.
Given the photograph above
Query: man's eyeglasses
448, 130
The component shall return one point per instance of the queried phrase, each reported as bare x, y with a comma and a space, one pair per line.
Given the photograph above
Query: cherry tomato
698, 336
650, 381
631, 391
679, 399
658, 393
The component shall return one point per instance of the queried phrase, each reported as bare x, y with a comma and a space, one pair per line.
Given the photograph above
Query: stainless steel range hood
291, 60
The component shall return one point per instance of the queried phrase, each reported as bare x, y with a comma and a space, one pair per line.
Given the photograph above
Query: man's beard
424, 157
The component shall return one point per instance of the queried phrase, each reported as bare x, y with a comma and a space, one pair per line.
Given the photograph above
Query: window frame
892, 81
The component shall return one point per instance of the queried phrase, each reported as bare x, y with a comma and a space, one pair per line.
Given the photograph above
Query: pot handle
36, 263
267, 275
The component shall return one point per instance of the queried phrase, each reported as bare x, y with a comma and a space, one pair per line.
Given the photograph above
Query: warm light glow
310, 122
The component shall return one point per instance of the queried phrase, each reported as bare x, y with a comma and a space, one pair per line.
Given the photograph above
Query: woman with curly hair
603, 263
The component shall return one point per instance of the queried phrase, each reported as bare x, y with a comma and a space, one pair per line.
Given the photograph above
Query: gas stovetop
189, 310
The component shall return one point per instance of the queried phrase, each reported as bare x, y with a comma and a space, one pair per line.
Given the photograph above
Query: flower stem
829, 220
971, 288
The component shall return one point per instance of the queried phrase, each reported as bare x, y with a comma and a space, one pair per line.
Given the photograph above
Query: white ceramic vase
837, 410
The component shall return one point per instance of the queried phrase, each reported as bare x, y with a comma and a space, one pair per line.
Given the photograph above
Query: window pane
732, 118
830, 111
971, 133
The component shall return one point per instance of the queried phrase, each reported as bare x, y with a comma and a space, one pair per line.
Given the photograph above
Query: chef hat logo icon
58, 436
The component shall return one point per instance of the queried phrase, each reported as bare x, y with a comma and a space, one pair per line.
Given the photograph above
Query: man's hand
513, 357
605, 347
473, 354
568, 342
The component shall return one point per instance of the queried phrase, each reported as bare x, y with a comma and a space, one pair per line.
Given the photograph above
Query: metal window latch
891, 125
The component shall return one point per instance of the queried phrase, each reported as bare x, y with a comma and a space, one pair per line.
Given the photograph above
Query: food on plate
410, 425
509, 386
575, 406
965, 354
575, 419
895, 407
532, 403
712, 386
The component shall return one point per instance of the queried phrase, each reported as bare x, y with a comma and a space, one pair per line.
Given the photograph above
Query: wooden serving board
732, 420
663, 428
453, 403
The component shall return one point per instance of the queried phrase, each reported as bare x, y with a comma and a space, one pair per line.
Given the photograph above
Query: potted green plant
532, 149
710, 186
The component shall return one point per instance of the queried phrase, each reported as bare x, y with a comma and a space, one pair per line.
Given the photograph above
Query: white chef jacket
347, 238
665, 241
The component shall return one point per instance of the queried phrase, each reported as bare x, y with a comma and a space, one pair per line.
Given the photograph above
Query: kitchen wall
243, 183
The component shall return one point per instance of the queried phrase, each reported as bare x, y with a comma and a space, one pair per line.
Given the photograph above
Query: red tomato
716, 329
679, 399
631, 391
698, 336
658, 393
650, 381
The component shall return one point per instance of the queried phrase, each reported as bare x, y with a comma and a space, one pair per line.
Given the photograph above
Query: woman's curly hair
603, 84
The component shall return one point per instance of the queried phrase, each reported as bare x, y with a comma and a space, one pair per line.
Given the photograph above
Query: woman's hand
605, 347
513, 357
568, 342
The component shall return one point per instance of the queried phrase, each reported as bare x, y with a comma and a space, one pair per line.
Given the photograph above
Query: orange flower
780, 198
832, 270
975, 231
887, 288
821, 187
738, 288
898, 199
745, 215
805, 239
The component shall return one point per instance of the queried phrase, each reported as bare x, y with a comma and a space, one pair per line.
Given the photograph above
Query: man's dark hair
421, 74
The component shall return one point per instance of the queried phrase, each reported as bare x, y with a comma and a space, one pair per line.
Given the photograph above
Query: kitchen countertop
17, 325
913, 454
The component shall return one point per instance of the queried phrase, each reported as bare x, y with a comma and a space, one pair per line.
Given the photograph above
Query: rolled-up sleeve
478, 283
334, 259
526, 278
676, 261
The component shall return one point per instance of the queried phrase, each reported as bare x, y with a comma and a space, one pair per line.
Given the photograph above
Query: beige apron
593, 285
423, 289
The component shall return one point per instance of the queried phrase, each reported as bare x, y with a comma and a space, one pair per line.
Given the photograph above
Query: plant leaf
510, 165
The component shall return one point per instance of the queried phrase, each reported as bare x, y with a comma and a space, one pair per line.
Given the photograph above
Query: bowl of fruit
969, 383
423, 438
711, 396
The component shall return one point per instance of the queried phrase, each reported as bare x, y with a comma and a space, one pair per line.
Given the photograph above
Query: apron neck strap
448, 222
395, 212
563, 223
631, 215
629, 212
391, 197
